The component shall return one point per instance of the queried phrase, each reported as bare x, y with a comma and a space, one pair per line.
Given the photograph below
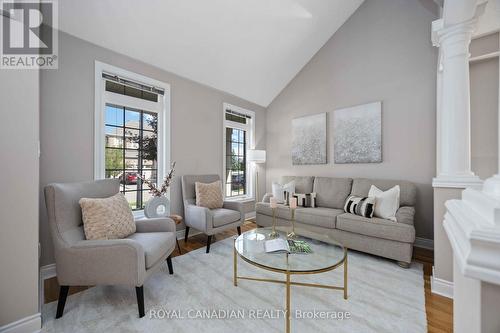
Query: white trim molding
457, 182
441, 287
250, 144
162, 108
28, 324
473, 228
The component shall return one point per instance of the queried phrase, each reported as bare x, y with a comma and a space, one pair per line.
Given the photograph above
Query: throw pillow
360, 206
386, 202
279, 190
305, 199
107, 218
209, 195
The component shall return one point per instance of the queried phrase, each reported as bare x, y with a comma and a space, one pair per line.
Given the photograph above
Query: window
131, 131
238, 138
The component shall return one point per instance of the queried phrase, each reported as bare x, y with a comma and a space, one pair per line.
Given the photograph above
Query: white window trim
251, 145
163, 109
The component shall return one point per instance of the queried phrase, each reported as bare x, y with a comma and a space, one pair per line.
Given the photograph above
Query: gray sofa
385, 238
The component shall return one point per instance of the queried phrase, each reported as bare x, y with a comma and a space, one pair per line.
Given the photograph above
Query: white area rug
382, 298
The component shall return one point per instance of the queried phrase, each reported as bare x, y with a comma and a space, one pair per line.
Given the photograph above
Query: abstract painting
357, 134
309, 140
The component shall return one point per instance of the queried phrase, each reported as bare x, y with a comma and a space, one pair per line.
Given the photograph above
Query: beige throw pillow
107, 218
386, 202
209, 195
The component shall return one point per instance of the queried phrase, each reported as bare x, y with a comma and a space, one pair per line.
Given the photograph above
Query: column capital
442, 31
453, 40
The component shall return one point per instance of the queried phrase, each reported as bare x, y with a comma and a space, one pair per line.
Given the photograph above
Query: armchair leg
63, 294
239, 230
178, 246
169, 264
209, 240
139, 291
186, 234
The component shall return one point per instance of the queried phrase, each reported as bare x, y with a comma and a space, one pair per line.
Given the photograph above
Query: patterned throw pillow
107, 218
209, 195
360, 206
305, 199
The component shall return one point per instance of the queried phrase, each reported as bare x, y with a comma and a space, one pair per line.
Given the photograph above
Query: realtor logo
29, 34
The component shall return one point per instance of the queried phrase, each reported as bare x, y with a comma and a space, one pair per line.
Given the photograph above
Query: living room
282, 166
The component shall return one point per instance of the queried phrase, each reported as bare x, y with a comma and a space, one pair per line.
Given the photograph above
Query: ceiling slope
249, 48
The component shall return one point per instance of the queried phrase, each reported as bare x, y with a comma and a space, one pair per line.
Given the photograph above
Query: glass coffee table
326, 256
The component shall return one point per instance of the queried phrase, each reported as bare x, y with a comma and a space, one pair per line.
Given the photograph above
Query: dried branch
153, 189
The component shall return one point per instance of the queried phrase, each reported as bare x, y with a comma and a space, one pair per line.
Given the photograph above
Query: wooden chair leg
239, 230
169, 264
139, 291
209, 240
186, 234
63, 294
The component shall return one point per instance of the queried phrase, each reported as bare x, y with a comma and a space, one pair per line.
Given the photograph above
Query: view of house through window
131, 150
238, 129
235, 162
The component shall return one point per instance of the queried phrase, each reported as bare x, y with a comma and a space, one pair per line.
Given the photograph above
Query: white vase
157, 207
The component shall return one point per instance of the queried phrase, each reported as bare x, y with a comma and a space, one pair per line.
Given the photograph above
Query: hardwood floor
439, 309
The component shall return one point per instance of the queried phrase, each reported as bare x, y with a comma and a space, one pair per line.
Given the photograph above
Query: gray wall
19, 109
484, 76
383, 52
67, 120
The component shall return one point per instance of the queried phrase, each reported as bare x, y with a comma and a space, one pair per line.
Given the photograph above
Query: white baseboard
47, 271
424, 243
440, 286
30, 324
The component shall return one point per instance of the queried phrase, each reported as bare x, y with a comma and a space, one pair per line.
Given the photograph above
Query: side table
178, 220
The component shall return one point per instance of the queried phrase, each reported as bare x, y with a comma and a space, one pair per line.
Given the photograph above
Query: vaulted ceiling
249, 48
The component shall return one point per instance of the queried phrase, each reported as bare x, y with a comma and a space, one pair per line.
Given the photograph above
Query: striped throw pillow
305, 199
360, 206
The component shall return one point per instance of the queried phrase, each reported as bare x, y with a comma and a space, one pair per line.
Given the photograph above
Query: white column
454, 163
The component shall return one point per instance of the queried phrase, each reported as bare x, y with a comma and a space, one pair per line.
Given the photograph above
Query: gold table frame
288, 275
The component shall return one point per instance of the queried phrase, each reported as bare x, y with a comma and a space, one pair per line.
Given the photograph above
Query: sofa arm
406, 215
198, 217
159, 224
266, 197
237, 206
91, 262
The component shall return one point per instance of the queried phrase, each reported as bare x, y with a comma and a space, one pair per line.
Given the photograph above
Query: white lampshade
256, 156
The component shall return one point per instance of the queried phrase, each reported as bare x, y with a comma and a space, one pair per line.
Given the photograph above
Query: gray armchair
208, 221
81, 262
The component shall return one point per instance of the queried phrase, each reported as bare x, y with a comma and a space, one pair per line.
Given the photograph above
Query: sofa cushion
332, 192
282, 211
155, 245
321, 217
303, 184
408, 190
222, 216
376, 227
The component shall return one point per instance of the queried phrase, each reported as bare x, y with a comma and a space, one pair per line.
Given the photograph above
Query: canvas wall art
357, 134
309, 140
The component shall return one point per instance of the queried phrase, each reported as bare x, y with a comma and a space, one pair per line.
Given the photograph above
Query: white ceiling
249, 48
